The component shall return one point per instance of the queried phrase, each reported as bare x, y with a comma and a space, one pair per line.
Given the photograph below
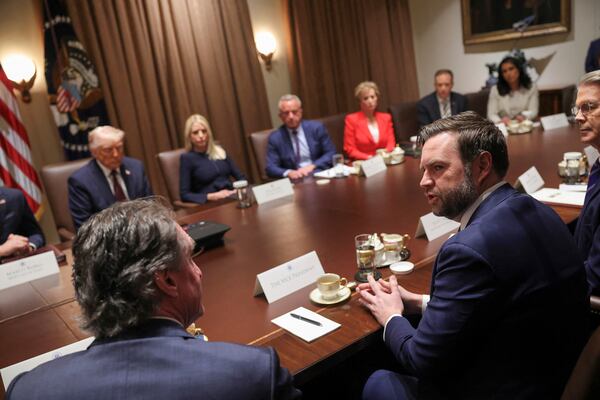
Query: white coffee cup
329, 285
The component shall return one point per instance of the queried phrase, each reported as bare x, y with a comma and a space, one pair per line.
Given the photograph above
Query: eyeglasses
585, 108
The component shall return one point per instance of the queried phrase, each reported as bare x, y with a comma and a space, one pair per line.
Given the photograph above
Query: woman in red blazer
367, 130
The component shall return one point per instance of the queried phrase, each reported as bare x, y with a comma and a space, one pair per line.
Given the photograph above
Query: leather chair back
477, 101
54, 178
259, 142
584, 383
335, 126
169, 168
404, 117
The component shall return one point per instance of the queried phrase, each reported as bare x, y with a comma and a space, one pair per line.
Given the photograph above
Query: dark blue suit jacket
158, 361
508, 309
280, 152
428, 108
592, 60
90, 193
587, 236
16, 217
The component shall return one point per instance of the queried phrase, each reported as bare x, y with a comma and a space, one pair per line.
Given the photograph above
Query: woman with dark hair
513, 95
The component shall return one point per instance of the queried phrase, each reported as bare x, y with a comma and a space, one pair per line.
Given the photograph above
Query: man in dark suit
592, 60
108, 178
507, 315
443, 102
298, 148
587, 231
138, 288
20, 233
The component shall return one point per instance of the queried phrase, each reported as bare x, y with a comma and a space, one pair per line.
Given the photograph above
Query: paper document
550, 195
305, 330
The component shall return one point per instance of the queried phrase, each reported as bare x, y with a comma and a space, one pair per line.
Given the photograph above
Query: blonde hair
361, 87
104, 131
213, 150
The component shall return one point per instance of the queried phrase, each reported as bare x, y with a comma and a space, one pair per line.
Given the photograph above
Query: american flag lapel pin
127, 172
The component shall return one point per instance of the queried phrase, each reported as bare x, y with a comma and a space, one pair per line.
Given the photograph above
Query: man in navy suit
443, 102
592, 60
507, 316
298, 148
108, 178
587, 231
139, 288
20, 233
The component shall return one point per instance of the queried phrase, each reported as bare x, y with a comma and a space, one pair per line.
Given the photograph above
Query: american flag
67, 99
16, 166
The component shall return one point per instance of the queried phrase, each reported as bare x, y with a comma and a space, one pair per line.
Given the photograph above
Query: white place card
434, 227
12, 371
502, 128
554, 121
592, 154
305, 330
288, 277
531, 180
273, 190
373, 165
28, 269
556, 196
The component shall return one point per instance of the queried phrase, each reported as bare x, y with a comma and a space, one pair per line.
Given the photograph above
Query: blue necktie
594, 175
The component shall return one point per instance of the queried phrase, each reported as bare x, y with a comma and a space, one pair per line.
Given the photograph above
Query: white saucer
402, 267
315, 296
396, 162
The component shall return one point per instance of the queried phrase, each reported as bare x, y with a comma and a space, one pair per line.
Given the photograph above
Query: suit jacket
358, 141
159, 360
508, 309
16, 217
428, 108
280, 152
592, 60
90, 193
587, 236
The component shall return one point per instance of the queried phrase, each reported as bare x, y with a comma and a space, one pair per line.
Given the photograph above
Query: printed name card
273, 190
531, 181
373, 165
502, 128
27, 269
592, 154
288, 277
434, 227
554, 121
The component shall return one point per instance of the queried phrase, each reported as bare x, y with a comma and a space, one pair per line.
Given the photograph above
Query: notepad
549, 195
305, 330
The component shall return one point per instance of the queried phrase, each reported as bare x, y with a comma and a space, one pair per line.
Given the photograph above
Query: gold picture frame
487, 21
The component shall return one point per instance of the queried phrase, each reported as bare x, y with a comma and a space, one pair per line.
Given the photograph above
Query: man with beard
508, 307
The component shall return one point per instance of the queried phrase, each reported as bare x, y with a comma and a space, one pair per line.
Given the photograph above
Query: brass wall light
266, 46
21, 72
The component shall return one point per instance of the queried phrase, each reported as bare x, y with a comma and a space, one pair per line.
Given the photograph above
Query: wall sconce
21, 72
266, 46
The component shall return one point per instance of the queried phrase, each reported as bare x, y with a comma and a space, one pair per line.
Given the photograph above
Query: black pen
301, 318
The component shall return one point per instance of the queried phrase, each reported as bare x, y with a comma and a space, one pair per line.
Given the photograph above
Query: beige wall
438, 44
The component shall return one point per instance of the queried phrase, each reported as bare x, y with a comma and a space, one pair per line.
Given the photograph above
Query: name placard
27, 269
592, 154
373, 165
9, 373
288, 277
434, 227
531, 181
554, 121
273, 190
502, 128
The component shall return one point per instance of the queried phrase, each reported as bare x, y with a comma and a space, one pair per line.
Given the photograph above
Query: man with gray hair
138, 288
587, 231
299, 147
108, 178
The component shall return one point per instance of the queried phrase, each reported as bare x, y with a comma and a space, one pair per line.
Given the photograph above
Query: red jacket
358, 141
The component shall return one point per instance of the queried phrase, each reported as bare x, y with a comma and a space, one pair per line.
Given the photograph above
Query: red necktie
297, 142
119, 194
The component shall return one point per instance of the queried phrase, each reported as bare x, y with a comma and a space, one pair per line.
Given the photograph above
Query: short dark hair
475, 135
524, 78
116, 254
443, 71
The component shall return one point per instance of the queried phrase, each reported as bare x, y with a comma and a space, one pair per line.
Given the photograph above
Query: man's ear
482, 166
166, 284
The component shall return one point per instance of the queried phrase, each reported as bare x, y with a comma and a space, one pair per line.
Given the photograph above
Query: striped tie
297, 143
447, 112
594, 175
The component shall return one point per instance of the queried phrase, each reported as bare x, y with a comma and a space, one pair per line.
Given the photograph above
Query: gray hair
591, 78
475, 135
116, 254
105, 131
289, 97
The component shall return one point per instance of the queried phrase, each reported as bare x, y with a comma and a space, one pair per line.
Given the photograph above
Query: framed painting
495, 20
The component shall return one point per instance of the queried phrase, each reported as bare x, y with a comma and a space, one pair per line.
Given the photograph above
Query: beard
457, 200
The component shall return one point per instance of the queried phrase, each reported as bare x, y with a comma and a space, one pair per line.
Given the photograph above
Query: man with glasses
587, 232
108, 178
298, 148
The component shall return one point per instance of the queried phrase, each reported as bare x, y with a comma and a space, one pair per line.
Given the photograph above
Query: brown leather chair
477, 101
55, 178
584, 383
335, 126
169, 168
259, 142
404, 117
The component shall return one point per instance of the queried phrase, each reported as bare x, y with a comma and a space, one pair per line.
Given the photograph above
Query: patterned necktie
446, 106
119, 194
594, 175
297, 143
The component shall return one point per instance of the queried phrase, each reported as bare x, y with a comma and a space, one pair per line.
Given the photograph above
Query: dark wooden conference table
40, 316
